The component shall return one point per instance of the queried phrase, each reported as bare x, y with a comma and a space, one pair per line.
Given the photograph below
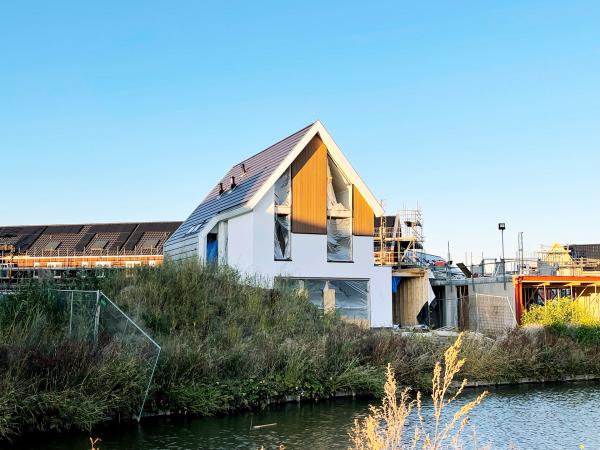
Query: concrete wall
484, 286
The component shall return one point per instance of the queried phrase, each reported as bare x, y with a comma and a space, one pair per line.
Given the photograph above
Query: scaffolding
558, 260
399, 239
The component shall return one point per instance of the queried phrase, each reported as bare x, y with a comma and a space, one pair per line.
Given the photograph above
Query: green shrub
560, 312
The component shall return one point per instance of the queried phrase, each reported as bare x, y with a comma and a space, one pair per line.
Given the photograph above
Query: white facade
245, 231
250, 249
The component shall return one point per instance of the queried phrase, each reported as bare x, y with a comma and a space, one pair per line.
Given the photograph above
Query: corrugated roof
258, 169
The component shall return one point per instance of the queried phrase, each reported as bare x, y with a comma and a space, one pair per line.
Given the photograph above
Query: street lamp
502, 227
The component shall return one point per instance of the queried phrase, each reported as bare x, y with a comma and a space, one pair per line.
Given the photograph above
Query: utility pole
502, 227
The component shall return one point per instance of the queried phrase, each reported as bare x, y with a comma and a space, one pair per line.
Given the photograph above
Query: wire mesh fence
487, 314
90, 316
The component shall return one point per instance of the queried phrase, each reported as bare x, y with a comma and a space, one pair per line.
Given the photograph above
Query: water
551, 416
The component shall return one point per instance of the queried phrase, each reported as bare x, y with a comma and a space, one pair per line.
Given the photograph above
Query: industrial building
296, 213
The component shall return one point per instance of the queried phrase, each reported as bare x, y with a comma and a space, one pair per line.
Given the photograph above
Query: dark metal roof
34, 239
258, 169
585, 251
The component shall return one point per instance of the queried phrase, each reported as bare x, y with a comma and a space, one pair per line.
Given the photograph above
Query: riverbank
229, 345
498, 420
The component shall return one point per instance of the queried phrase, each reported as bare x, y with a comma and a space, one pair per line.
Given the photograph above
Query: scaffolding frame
398, 238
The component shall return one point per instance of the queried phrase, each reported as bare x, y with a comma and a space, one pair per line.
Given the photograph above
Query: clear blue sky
477, 111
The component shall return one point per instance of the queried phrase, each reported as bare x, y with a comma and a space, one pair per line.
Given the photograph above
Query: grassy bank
229, 344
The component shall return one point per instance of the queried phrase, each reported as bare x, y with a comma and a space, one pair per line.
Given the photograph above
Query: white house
297, 212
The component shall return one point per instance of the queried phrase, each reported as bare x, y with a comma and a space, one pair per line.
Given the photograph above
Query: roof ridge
274, 144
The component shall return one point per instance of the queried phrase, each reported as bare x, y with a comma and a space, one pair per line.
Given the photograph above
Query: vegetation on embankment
228, 344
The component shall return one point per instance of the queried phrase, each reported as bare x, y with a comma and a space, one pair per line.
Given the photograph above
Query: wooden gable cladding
362, 214
309, 189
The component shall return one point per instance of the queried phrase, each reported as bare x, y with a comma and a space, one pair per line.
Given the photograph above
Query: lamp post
502, 227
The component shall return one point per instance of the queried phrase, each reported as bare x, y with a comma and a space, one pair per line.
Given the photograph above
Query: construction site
490, 296
427, 291
62, 251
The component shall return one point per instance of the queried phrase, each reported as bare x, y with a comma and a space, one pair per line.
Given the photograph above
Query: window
347, 298
103, 263
282, 226
195, 228
152, 263
99, 244
132, 264
282, 238
54, 265
212, 248
339, 240
150, 244
51, 246
339, 215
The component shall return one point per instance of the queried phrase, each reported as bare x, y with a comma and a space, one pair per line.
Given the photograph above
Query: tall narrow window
339, 215
212, 248
282, 230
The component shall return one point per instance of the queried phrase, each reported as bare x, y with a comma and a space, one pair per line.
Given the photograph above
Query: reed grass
385, 427
228, 343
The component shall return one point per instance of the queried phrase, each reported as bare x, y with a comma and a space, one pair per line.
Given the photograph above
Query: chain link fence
90, 316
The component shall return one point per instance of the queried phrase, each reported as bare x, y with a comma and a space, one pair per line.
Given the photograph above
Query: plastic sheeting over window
339, 239
283, 203
351, 297
282, 237
338, 201
283, 190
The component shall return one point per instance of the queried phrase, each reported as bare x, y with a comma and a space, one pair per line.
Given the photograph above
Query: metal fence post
97, 316
71, 316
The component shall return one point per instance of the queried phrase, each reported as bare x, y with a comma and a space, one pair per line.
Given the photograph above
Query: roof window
99, 244
51, 246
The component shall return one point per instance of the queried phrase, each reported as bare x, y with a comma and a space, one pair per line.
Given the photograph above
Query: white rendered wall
240, 245
309, 259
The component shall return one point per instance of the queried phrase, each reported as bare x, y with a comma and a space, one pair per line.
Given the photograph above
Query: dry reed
385, 427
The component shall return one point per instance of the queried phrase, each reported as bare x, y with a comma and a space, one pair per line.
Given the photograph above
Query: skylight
150, 244
99, 244
51, 246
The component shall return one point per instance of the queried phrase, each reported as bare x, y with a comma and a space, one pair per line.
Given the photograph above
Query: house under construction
398, 243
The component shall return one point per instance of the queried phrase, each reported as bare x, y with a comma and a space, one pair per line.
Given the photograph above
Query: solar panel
51, 246
99, 244
150, 244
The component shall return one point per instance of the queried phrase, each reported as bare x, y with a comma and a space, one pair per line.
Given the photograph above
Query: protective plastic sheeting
283, 190
339, 239
351, 298
282, 237
333, 205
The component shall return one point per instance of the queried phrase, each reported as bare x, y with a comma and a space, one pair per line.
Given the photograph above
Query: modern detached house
298, 213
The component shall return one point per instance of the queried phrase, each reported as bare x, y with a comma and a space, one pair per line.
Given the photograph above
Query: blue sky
478, 112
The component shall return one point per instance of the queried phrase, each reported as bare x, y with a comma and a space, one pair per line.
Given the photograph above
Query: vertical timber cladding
309, 189
364, 218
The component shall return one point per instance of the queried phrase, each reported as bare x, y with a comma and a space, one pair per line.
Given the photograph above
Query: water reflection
528, 417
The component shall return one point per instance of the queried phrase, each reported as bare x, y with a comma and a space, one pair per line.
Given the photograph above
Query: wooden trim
309, 189
364, 218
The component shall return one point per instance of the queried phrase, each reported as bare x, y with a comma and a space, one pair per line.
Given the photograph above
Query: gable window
282, 229
339, 215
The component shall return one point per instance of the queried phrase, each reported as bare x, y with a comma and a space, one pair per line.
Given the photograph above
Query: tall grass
228, 343
385, 427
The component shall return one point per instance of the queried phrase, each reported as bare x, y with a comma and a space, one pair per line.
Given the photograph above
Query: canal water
549, 416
